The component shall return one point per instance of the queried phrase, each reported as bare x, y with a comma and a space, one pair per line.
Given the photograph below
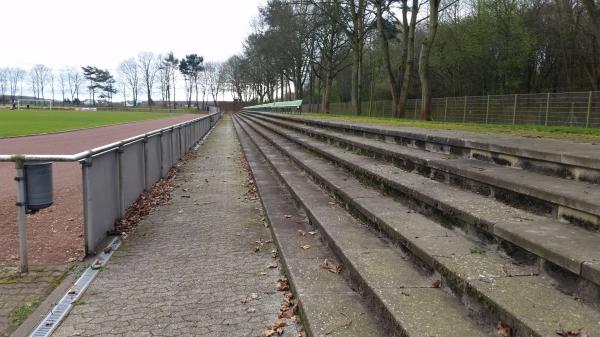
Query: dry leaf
269, 333
301, 334
573, 333
312, 232
436, 284
283, 284
272, 265
503, 329
280, 323
332, 203
301, 232
306, 247
332, 267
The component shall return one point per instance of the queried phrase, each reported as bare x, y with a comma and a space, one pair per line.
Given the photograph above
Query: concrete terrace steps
486, 282
571, 199
408, 302
562, 158
329, 307
571, 248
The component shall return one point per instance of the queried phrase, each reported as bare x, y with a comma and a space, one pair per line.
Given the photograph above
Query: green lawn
536, 131
29, 122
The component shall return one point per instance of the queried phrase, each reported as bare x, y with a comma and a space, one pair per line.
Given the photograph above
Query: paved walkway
20, 293
191, 268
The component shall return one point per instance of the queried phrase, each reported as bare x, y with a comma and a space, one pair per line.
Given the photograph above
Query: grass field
536, 131
29, 122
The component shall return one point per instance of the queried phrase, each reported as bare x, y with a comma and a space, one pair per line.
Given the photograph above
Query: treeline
145, 75
356, 50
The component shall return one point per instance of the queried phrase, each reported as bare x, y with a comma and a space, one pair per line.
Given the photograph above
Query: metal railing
114, 175
283, 106
576, 109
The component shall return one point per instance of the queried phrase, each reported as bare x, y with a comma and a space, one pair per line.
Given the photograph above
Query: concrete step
402, 295
571, 248
579, 161
576, 201
328, 306
485, 280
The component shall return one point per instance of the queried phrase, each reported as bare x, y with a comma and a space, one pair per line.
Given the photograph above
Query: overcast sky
103, 33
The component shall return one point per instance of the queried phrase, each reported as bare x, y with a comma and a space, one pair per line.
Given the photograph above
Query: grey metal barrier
116, 174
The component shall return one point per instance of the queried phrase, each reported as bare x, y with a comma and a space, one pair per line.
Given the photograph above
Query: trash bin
38, 185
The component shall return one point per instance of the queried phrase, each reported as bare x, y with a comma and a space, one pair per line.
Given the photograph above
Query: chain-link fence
577, 109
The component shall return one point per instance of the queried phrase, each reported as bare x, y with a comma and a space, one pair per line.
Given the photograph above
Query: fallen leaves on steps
332, 267
572, 333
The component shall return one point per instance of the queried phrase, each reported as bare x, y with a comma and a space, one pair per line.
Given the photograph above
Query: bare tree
52, 79
34, 84
63, 79
149, 67
434, 6
355, 21
215, 78
130, 72
15, 77
171, 63
398, 76
39, 77
332, 49
74, 79
234, 69
3, 83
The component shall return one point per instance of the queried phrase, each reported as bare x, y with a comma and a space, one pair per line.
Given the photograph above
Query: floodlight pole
21, 216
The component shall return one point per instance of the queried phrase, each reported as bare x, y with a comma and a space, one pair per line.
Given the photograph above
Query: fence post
145, 151
87, 199
120, 178
415, 116
487, 109
547, 108
465, 110
515, 109
589, 110
446, 109
21, 215
160, 156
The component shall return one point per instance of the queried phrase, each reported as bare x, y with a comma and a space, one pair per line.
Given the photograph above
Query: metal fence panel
101, 181
174, 146
132, 173
167, 152
576, 109
153, 160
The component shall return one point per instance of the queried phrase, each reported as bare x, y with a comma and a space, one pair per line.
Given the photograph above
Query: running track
55, 235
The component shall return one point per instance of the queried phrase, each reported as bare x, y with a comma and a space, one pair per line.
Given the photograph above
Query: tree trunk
197, 102
410, 60
174, 90
355, 94
424, 60
326, 92
385, 48
149, 91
